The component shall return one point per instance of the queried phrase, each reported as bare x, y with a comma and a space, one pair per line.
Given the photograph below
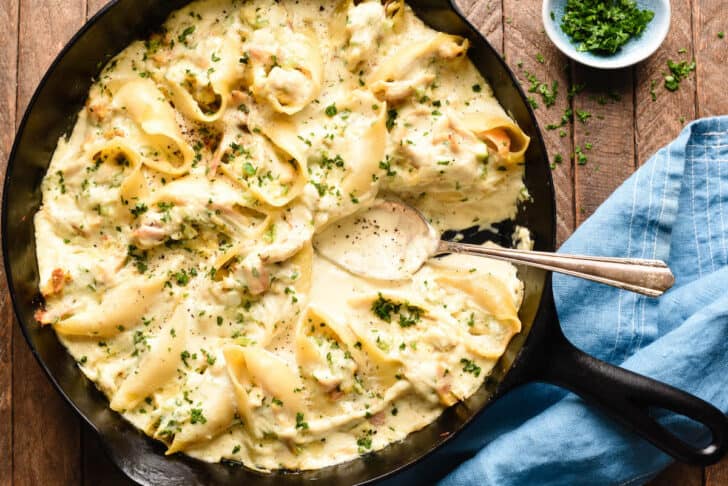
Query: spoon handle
647, 277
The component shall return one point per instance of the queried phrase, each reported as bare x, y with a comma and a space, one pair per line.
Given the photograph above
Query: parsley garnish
364, 443
603, 26
409, 314
181, 277
386, 166
470, 367
196, 416
678, 72
300, 423
331, 110
185, 33
391, 118
139, 209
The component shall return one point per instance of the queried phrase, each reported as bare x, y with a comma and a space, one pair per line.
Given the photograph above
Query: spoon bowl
391, 240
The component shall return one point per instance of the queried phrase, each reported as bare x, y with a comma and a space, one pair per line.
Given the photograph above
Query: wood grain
523, 42
660, 120
487, 17
609, 131
711, 55
8, 85
46, 436
93, 6
679, 475
717, 475
50, 448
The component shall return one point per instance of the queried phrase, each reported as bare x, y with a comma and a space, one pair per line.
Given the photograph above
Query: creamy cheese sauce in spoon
387, 241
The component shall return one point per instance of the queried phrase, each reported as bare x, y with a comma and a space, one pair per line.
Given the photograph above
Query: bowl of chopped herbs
607, 34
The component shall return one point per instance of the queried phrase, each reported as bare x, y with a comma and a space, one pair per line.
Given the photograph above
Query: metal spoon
391, 241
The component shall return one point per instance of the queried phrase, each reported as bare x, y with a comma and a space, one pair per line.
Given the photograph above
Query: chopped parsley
331, 110
196, 416
139, 209
579, 155
470, 367
249, 169
138, 257
386, 166
603, 26
61, 182
384, 308
548, 94
391, 118
182, 278
678, 72
364, 443
477, 88
583, 115
300, 422
186, 33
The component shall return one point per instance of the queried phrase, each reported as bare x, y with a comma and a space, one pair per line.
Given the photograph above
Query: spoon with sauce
391, 241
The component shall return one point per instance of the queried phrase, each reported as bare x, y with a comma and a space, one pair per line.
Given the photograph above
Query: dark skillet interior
52, 113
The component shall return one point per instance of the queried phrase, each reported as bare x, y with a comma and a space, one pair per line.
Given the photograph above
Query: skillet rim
510, 378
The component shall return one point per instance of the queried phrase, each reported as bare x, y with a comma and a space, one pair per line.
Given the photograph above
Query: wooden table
41, 440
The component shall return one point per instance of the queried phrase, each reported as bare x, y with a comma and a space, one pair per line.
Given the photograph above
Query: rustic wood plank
8, 87
609, 131
717, 475
660, 120
487, 17
94, 6
529, 51
46, 435
679, 474
711, 56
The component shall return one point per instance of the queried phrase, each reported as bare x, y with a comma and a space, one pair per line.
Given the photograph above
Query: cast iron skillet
539, 353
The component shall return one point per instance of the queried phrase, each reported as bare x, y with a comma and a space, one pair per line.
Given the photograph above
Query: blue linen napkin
674, 208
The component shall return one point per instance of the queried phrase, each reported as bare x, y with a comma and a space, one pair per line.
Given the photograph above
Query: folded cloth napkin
674, 208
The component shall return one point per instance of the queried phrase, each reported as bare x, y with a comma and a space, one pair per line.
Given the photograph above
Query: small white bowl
634, 51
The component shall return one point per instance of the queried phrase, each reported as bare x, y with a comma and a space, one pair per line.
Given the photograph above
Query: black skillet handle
627, 397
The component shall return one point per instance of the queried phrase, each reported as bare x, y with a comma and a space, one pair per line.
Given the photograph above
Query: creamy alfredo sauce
174, 240
386, 241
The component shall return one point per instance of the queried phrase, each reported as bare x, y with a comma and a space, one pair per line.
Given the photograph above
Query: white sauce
174, 240
387, 241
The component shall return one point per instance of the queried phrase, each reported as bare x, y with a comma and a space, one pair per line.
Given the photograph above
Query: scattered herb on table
548, 94
678, 72
603, 26
721, 34
579, 155
583, 115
